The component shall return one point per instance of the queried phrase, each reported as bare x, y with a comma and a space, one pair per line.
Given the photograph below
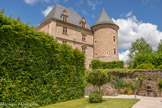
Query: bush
159, 67
120, 83
97, 64
95, 97
34, 68
145, 66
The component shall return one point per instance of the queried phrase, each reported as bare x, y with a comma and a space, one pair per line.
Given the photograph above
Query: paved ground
145, 102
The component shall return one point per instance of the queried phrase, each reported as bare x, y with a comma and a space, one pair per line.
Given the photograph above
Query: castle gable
73, 17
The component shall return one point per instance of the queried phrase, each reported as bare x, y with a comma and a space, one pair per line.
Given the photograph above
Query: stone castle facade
99, 41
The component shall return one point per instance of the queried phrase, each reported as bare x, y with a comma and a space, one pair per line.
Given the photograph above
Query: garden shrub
145, 66
95, 97
97, 64
159, 67
34, 68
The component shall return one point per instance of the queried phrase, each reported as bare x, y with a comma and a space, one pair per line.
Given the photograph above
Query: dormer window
64, 19
64, 16
83, 23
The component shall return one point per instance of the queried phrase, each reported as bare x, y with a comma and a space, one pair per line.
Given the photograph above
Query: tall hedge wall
34, 68
97, 64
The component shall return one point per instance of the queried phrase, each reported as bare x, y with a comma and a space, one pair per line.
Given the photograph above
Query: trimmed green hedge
34, 68
97, 64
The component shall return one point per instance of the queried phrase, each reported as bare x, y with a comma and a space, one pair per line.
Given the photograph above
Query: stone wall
149, 83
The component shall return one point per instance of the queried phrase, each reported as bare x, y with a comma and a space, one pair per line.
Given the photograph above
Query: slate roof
73, 17
104, 19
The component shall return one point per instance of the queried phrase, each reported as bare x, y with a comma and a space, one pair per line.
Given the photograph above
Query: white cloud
47, 10
84, 12
129, 14
131, 28
93, 4
124, 56
31, 2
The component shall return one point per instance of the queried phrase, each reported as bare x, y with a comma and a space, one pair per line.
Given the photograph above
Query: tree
138, 46
98, 78
159, 48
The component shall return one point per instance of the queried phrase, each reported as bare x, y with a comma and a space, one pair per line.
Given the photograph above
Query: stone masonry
99, 41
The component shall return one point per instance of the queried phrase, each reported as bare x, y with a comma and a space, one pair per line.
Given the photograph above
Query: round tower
105, 38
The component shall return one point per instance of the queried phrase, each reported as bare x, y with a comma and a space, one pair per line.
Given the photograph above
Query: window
64, 30
83, 38
114, 51
107, 52
64, 18
89, 66
64, 41
114, 38
83, 22
83, 50
83, 25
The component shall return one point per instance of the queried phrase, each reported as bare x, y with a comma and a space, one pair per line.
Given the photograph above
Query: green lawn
107, 103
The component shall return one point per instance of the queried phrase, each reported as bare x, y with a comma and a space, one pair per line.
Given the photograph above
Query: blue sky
136, 18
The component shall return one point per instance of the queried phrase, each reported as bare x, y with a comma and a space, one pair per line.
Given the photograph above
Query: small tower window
114, 38
107, 52
83, 37
83, 23
64, 16
114, 51
64, 30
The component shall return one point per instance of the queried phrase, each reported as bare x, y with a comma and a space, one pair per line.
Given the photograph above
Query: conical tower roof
104, 19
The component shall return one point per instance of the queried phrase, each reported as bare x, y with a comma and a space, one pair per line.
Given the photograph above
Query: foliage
95, 97
147, 58
97, 77
160, 84
145, 66
97, 64
159, 48
159, 67
34, 68
138, 46
119, 83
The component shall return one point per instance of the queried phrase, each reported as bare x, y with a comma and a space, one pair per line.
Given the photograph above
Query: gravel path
145, 102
